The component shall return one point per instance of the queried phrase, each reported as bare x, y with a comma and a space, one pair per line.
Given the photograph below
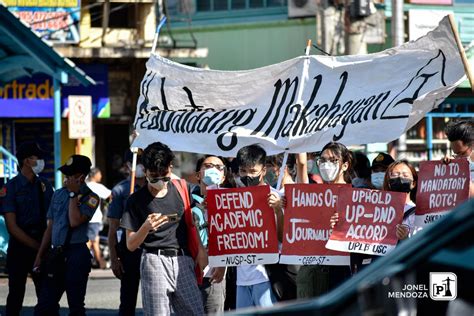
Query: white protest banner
440, 188
367, 221
301, 104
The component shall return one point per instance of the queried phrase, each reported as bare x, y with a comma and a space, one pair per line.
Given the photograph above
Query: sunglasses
155, 180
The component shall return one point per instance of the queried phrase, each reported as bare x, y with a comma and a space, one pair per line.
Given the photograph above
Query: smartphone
173, 217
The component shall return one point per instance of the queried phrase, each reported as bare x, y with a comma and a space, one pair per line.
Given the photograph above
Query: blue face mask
212, 176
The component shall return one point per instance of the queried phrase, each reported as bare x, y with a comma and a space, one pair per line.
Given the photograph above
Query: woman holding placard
335, 167
400, 176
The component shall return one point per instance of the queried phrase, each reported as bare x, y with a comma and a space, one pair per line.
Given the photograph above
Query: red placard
242, 228
307, 227
367, 221
440, 188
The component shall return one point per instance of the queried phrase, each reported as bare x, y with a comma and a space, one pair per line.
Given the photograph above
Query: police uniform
130, 281
30, 202
69, 242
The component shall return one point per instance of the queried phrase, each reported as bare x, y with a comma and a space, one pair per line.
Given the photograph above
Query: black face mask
250, 181
400, 184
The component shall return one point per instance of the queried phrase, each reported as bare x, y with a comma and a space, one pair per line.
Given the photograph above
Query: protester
67, 260
26, 202
158, 220
335, 167
461, 138
96, 223
400, 176
362, 171
210, 173
273, 165
378, 168
125, 264
253, 283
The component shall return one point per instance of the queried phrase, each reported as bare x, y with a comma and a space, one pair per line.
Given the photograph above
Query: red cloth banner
440, 188
307, 227
242, 228
367, 221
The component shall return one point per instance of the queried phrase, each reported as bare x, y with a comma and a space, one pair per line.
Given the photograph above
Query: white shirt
256, 274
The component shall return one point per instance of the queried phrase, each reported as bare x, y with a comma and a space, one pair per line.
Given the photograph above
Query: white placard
80, 116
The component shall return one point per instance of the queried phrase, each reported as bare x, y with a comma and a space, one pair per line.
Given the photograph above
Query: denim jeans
255, 295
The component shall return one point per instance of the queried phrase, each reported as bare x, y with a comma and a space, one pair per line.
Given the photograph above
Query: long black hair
344, 154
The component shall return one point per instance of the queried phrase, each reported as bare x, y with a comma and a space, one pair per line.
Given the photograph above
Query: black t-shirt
141, 203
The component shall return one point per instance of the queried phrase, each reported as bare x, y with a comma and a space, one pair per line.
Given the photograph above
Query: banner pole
282, 171
134, 168
285, 156
465, 62
157, 33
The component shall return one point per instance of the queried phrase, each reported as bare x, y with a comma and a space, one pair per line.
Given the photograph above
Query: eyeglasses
155, 180
323, 160
211, 165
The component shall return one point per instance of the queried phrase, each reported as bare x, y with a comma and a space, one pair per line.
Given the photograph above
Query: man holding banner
461, 138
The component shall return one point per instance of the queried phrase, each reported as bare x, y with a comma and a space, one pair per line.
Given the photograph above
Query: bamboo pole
465, 62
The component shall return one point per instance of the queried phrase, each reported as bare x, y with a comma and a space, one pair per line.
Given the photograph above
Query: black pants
73, 280
20, 260
130, 281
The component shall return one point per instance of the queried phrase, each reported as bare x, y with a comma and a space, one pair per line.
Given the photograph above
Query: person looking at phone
168, 282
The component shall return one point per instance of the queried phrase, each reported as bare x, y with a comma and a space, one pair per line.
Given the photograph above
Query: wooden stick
134, 168
465, 62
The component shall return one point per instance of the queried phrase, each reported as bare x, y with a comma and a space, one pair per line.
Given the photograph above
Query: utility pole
330, 23
398, 38
355, 26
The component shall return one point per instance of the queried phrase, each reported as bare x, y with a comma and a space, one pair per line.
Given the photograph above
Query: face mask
212, 176
329, 171
140, 171
159, 185
400, 184
358, 182
271, 178
250, 181
377, 179
39, 166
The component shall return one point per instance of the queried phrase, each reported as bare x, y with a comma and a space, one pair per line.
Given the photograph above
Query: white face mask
329, 171
159, 185
377, 179
39, 166
140, 171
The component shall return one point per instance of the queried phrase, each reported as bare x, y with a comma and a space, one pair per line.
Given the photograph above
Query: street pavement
102, 297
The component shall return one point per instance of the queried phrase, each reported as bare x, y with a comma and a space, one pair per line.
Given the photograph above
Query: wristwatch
72, 194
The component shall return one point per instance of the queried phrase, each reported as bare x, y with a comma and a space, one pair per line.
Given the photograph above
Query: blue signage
33, 97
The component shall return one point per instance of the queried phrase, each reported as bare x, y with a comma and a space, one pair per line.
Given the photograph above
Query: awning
23, 53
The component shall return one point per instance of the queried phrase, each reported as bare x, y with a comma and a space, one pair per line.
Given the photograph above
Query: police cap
76, 164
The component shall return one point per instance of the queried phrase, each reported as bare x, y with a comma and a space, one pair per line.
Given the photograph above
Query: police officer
125, 264
25, 205
64, 242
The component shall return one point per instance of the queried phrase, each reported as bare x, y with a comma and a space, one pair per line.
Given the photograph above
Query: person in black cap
378, 168
26, 202
67, 260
